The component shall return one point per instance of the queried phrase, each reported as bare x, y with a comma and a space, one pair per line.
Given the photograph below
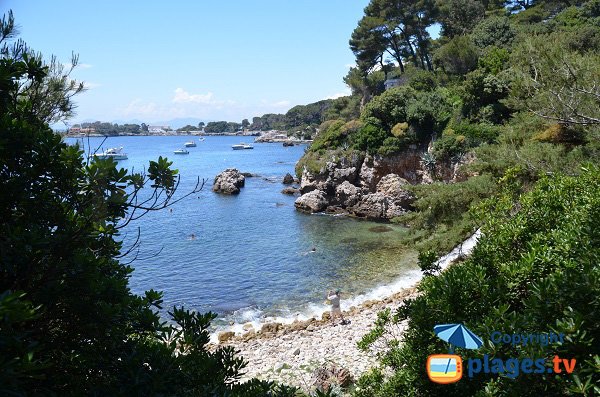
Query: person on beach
336, 311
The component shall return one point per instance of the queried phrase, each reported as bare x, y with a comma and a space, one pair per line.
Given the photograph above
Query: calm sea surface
251, 257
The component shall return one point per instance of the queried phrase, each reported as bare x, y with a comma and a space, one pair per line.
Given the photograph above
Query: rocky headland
372, 187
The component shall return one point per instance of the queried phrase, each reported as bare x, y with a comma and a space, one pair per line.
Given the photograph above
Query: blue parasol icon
458, 335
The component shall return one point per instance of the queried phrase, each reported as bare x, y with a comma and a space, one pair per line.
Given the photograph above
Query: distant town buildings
158, 129
76, 129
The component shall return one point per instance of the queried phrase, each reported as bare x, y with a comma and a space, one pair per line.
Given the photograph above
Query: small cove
251, 258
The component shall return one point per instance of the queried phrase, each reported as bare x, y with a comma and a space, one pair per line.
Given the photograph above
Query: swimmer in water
192, 236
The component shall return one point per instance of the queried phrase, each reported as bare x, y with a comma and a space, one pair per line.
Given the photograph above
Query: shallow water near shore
252, 258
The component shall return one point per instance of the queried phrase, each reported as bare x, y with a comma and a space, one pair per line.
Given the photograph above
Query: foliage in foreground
69, 325
535, 270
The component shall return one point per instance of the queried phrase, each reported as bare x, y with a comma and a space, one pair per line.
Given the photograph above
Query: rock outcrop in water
372, 187
288, 179
313, 201
229, 182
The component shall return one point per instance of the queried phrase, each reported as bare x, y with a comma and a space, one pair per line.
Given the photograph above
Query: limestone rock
225, 336
228, 182
393, 187
290, 190
367, 174
346, 194
314, 201
372, 206
270, 327
288, 179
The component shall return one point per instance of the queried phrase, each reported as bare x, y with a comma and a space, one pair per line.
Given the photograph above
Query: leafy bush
494, 31
475, 134
429, 113
370, 137
449, 147
483, 95
494, 60
535, 270
330, 136
390, 107
445, 203
459, 56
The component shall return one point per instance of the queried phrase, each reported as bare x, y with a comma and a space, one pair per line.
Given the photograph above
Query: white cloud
338, 95
84, 65
182, 96
204, 106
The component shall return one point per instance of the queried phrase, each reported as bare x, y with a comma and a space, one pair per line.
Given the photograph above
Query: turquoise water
252, 256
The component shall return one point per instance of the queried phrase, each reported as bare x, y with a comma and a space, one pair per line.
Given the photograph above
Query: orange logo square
444, 368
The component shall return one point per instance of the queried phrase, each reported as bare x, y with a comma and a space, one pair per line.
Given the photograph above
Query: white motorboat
181, 151
201, 139
242, 146
190, 144
115, 153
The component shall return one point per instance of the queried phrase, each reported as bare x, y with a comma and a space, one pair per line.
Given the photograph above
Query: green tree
459, 17
390, 107
555, 83
494, 31
364, 84
459, 56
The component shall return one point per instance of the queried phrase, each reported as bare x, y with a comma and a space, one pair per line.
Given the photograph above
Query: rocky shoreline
292, 353
295, 353
371, 187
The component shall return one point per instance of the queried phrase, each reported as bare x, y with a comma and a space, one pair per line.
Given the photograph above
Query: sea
251, 257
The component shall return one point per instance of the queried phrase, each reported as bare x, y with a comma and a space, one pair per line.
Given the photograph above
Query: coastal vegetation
508, 94
506, 101
515, 92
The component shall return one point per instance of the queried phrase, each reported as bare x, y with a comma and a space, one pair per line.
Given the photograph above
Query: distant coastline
168, 133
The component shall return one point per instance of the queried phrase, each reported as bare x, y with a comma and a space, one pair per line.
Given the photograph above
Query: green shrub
449, 147
494, 31
330, 136
429, 113
535, 270
369, 138
494, 60
390, 107
476, 134
459, 56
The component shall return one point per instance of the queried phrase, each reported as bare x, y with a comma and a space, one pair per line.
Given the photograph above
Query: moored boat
242, 146
190, 144
181, 151
115, 153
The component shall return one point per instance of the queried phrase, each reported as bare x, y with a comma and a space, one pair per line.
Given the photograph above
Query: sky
151, 61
